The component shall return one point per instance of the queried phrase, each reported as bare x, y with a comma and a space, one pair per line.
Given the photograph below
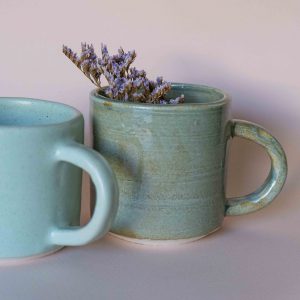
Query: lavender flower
125, 83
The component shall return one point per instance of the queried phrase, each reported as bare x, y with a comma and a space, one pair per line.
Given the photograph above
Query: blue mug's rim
95, 96
75, 114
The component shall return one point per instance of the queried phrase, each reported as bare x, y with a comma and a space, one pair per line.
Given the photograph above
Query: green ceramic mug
170, 163
40, 182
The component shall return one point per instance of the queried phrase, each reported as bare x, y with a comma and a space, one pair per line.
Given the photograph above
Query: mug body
169, 161
37, 193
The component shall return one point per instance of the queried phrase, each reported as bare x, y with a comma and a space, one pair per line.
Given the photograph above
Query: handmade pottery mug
170, 163
40, 182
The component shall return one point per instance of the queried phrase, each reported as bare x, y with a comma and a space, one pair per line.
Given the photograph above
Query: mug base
23, 260
149, 242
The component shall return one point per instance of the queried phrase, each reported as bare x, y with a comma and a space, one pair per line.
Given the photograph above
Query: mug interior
194, 93
33, 112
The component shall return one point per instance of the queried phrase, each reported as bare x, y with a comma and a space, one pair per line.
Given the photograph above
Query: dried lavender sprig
84, 62
125, 83
177, 100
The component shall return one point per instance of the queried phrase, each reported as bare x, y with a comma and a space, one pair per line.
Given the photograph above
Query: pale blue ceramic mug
40, 182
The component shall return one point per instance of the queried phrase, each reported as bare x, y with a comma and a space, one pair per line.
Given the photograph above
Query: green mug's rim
75, 114
95, 96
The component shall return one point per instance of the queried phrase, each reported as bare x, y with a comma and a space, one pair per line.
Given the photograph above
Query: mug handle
277, 175
107, 195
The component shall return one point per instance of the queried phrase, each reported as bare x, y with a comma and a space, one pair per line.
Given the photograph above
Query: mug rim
225, 99
74, 115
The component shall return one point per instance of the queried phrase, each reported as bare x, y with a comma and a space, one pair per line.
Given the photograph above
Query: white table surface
253, 257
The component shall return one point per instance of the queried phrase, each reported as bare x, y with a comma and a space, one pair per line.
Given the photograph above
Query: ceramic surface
40, 187
170, 162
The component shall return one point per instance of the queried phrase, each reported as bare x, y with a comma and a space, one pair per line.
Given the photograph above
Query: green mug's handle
276, 178
107, 194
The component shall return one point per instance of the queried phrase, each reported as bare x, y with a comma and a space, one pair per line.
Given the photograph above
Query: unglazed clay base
148, 242
24, 260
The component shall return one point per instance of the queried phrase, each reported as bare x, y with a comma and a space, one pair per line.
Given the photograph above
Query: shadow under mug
40, 182
170, 162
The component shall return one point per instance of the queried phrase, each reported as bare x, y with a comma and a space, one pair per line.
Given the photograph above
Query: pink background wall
248, 48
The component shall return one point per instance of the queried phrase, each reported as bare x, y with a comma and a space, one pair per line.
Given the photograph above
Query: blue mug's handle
276, 178
106, 190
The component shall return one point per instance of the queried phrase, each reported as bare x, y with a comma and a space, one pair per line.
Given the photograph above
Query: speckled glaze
170, 163
40, 188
